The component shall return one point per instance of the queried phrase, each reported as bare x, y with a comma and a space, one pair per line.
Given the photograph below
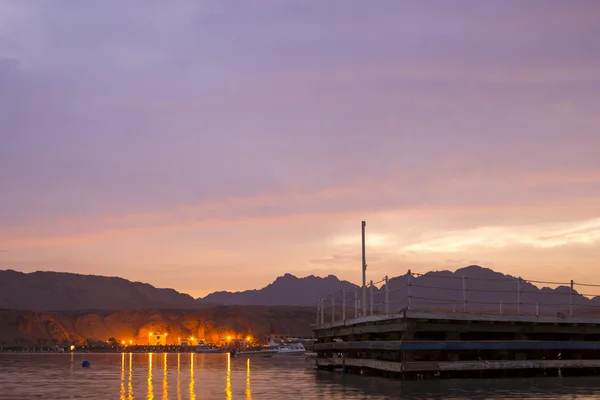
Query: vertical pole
318, 309
322, 311
355, 302
387, 297
500, 307
571, 299
537, 309
332, 307
454, 306
519, 296
464, 290
371, 295
408, 275
343, 304
364, 270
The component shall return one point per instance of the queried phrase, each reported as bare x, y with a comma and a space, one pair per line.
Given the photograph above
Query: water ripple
215, 376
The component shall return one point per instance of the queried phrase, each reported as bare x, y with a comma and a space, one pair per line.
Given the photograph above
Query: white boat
274, 349
291, 349
262, 353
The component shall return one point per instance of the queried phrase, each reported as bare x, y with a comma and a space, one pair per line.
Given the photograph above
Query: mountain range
485, 290
57, 291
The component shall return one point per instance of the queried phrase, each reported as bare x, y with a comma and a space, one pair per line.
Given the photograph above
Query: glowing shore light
72, 347
122, 342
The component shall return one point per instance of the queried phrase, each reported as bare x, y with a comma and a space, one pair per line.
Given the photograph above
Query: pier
439, 325
422, 345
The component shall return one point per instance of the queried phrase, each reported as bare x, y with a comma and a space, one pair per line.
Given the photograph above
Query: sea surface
217, 376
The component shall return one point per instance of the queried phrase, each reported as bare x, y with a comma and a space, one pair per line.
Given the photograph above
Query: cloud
146, 123
470, 202
541, 235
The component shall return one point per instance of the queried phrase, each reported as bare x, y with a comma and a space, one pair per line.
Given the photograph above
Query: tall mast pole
364, 271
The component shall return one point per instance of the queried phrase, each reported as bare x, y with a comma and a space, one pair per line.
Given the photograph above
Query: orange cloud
395, 195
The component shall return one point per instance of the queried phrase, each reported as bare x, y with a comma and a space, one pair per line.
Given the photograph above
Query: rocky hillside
26, 328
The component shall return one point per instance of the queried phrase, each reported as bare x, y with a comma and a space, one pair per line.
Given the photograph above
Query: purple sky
214, 145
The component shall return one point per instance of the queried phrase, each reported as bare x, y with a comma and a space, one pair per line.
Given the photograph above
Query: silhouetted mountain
486, 290
65, 291
442, 290
286, 290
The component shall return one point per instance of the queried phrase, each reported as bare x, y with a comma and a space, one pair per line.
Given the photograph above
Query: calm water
216, 376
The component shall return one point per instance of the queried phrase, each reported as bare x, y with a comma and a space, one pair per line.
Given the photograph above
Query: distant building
157, 339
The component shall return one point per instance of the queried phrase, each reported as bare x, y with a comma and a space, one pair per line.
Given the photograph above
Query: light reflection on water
129, 382
60, 376
228, 393
150, 387
248, 389
178, 376
122, 376
192, 383
165, 382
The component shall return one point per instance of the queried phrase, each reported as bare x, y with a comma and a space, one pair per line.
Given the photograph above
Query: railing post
571, 299
355, 302
387, 297
332, 307
408, 288
454, 306
371, 295
537, 309
343, 304
500, 307
519, 296
464, 290
322, 311
318, 309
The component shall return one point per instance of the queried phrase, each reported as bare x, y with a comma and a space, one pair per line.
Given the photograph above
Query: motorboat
259, 353
274, 350
291, 349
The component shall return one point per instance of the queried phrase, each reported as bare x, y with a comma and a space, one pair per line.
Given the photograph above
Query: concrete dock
425, 345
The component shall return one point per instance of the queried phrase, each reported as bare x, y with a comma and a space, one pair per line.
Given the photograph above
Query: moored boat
291, 349
261, 353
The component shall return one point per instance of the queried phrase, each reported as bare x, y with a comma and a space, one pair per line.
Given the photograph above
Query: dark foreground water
216, 376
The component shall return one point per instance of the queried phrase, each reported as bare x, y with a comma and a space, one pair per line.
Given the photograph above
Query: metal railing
445, 292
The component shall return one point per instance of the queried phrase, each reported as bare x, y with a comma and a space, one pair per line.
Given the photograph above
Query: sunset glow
225, 144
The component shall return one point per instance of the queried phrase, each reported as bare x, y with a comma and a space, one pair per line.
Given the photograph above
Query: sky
216, 145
